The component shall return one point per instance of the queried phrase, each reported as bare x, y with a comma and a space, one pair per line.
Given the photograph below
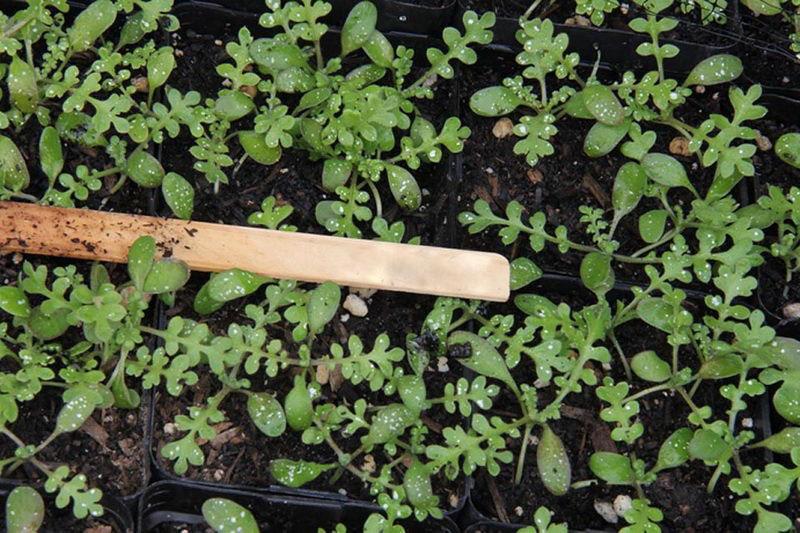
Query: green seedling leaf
359, 26
298, 407
494, 101
295, 474
165, 276
786, 401
266, 413
721, 68
782, 442
650, 367
390, 422
597, 273
484, 358
418, 487
603, 104
656, 312
14, 302
722, 366
276, 57
763, 7
51, 156
90, 24
335, 173
143, 168
13, 170
232, 284
603, 138
629, 187
159, 66
233, 105
788, 149
48, 327
179, 195
404, 187
379, 49
674, 451
24, 511
613, 468
226, 516
652, 224
256, 146
553, 463
666, 170
411, 389
708, 446
74, 413
523, 272
22, 88
140, 259
322, 305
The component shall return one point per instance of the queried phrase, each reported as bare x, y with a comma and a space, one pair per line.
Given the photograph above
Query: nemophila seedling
74, 335
90, 82
357, 112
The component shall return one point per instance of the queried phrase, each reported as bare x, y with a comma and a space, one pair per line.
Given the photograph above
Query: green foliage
225, 515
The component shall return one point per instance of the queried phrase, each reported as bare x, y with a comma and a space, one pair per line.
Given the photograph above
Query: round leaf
90, 24
335, 172
232, 284
603, 138
596, 272
523, 272
233, 105
322, 305
708, 446
603, 104
786, 401
267, 414
665, 170
143, 168
390, 422
140, 259
418, 487
14, 302
404, 187
411, 389
24, 511
298, 407
22, 88
74, 413
257, 148
721, 366
159, 67
788, 148
613, 468
13, 170
494, 101
651, 225
553, 463
484, 358
713, 70
225, 516
359, 26
650, 367
179, 195
275, 57
296, 473
51, 156
629, 187
167, 275
379, 49
675, 450
782, 442
656, 312
48, 327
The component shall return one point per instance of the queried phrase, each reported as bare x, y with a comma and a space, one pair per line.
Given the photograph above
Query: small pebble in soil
345, 317
355, 305
622, 504
219, 474
364, 293
140, 84
369, 464
747, 422
606, 510
792, 310
218, 42
16, 258
503, 128
169, 428
679, 146
700, 89
343, 492
763, 142
518, 510
441, 365
535, 175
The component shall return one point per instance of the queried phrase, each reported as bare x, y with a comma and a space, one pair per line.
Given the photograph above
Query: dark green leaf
494, 101
553, 463
613, 468
24, 511
721, 68
179, 195
14, 302
144, 169
651, 225
90, 24
51, 156
404, 187
165, 276
650, 367
22, 88
140, 259
359, 26
266, 413
596, 272
298, 407
13, 170
322, 305
226, 516
603, 104
296, 473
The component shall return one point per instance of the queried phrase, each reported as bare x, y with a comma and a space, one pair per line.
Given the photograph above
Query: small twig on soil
497, 498
229, 472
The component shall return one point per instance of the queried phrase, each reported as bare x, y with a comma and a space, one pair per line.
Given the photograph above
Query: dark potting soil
559, 11
295, 179
427, 3
680, 493
765, 51
558, 185
110, 450
241, 454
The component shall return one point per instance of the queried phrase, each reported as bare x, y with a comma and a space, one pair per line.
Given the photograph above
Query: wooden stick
103, 236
